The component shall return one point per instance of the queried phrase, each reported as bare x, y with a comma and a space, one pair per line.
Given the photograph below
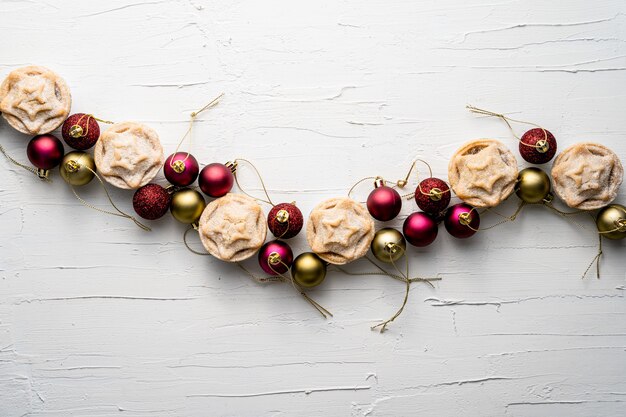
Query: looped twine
258, 174
41, 174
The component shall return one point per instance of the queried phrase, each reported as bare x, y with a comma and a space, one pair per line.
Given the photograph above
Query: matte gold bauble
533, 185
187, 205
612, 219
308, 270
388, 245
77, 168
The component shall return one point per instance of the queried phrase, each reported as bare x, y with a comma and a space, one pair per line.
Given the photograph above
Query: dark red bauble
181, 169
275, 257
461, 220
45, 151
533, 154
151, 201
80, 131
285, 220
420, 229
432, 195
216, 180
384, 203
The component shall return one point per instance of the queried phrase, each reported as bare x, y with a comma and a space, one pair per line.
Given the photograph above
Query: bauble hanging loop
77, 168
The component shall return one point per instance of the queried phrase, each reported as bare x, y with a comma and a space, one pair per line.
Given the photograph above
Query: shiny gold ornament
76, 131
178, 166
282, 216
533, 185
308, 270
187, 205
611, 221
388, 245
77, 168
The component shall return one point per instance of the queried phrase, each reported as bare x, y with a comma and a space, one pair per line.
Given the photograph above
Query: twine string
507, 120
193, 227
261, 280
505, 219
258, 174
26, 167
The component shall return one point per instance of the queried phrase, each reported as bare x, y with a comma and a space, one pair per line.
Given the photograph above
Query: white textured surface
98, 318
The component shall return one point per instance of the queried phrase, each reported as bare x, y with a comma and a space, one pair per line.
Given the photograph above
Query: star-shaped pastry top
486, 169
126, 155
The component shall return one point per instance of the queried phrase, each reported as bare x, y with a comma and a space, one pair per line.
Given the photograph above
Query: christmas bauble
308, 270
533, 185
187, 205
285, 220
384, 203
420, 229
45, 152
151, 201
388, 245
461, 220
612, 218
77, 168
537, 146
216, 180
275, 257
80, 131
432, 195
181, 169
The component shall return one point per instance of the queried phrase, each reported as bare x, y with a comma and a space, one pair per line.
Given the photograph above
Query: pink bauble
432, 195
181, 169
420, 229
45, 151
275, 257
384, 203
216, 180
458, 224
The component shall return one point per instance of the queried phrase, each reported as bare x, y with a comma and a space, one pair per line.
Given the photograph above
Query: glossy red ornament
432, 195
384, 203
151, 201
420, 229
45, 151
461, 220
216, 180
275, 257
542, 146
181, 169
285, 220
80, 131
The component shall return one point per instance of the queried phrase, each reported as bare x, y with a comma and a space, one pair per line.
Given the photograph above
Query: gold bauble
308, 270
533, 185
612, 217
77, 168
187, 205
388, 245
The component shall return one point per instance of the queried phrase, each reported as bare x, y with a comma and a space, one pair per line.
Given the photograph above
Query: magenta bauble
432, 195
420, 229
216, 180
285, 220
80, 131
275, 257
462, 220
181, 169
151, 201
45, 151
384, 203
537, 146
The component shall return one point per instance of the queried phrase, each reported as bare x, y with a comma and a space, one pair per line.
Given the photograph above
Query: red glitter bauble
432, 195
81, 131
528, 146
285, 220
384, 203
151, 201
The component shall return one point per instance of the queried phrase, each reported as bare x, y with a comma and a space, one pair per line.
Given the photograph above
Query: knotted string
506, 219
35, 171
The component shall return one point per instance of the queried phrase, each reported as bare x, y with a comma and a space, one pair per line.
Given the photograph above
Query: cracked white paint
98, 318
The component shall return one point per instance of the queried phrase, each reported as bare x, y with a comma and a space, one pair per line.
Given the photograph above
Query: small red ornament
151, 201
45, 152
384, 203
80, 131
461, 220
420, 229
285, 220
537, 146
181, 169
432, 195
275, 257
216, 179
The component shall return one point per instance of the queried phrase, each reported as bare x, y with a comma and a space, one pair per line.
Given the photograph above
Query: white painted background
98, 318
